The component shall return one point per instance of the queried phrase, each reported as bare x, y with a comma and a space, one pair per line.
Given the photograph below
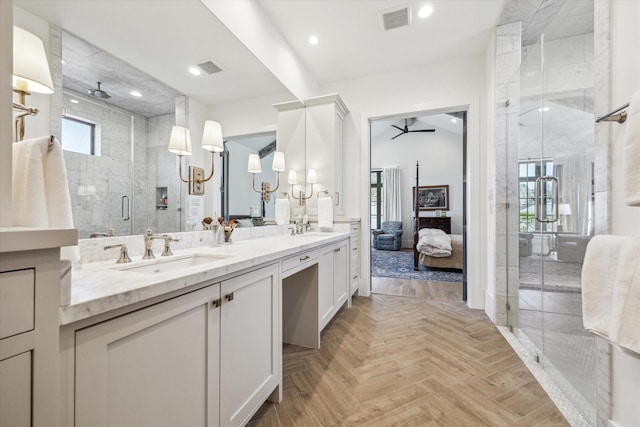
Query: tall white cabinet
29, 301
310, 133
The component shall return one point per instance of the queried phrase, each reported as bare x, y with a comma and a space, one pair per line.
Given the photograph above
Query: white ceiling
353, 43
163, 38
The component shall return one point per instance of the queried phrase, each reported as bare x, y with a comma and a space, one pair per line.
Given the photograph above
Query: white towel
625, 322
325, 213
40, 190
611, 289
632, 153
283, 211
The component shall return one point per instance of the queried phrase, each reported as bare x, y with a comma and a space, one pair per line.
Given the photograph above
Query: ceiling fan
406, 129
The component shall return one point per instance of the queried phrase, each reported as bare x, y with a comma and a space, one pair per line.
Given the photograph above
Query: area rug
399, 265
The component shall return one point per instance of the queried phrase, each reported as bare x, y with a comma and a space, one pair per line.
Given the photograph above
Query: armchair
389, 237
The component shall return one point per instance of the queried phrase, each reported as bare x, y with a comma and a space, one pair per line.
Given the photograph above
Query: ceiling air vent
396, 17
209, 67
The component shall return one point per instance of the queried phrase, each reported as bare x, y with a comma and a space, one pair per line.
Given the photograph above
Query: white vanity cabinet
250, 343
157, 366
29, 300
206, 358
354, 257
333, 280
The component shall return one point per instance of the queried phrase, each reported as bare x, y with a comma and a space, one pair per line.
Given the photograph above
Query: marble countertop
100, 287
14, 239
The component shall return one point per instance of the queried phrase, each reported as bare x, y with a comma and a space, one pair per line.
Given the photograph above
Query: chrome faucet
148, 241
124, 253
167, 248
110, 233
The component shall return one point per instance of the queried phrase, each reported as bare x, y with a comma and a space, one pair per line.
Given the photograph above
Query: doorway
437, 143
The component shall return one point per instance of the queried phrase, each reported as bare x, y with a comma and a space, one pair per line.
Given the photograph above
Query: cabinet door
15, 390
154, 367
251, 345
325, 286
340, 275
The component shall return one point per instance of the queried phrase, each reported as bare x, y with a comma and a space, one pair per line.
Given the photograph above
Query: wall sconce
30, 74
180, 144
255, 167
312, 178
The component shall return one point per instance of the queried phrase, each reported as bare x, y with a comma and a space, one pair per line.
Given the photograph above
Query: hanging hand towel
625, 330
40, 190
325, 213
632, 153
599, 271
283, 211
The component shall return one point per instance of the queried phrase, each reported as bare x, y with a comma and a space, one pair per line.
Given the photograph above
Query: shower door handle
541, 211
125, 208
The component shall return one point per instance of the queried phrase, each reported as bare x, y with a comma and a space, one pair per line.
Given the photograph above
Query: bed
455, 261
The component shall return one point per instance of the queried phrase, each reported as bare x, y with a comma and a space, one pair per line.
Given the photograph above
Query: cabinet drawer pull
216, 303
229, 297
336, 250
355, 277
354, 249
304, 258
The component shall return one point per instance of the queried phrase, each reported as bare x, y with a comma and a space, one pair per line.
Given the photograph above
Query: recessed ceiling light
73, 101
454, 121
313, 40
135, 93
425, 11
543, 109
195, 71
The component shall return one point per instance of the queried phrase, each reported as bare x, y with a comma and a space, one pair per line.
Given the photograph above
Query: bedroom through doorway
429, 149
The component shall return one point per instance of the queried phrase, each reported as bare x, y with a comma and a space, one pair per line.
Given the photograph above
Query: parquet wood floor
394, 361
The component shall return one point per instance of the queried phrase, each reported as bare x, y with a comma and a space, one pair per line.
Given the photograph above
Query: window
376, 199
80, 136
529, 171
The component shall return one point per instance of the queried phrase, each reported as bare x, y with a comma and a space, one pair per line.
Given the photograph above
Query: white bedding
434, 242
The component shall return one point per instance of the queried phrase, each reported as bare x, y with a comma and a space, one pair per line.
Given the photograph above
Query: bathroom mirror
239, 200
139, 188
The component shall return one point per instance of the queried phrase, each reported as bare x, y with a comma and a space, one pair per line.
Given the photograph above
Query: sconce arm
180, 169
212, 167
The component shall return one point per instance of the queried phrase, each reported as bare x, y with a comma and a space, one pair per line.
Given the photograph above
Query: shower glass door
555, 192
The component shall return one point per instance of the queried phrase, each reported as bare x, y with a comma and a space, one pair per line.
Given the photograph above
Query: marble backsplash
92, 250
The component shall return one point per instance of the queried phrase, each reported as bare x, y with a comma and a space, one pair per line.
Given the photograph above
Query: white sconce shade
278, 161
312, 177
30, 65
180, 141
254, 164
293, 177
212, 136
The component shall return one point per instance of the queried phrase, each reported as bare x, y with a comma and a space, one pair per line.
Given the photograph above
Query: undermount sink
168, 265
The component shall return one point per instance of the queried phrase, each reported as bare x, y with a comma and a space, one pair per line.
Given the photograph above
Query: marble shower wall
162, 170
97, 184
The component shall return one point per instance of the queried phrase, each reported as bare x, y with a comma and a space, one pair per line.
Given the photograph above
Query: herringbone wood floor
394, 361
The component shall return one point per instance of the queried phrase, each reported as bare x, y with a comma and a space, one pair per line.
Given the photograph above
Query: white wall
625, 80
440, 157
448, 86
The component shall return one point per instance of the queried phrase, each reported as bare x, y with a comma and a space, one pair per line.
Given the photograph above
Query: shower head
99, 93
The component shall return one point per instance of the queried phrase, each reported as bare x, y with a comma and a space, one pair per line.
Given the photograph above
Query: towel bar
620, 117
618, 346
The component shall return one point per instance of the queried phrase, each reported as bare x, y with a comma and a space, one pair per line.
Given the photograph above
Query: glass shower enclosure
555, 201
